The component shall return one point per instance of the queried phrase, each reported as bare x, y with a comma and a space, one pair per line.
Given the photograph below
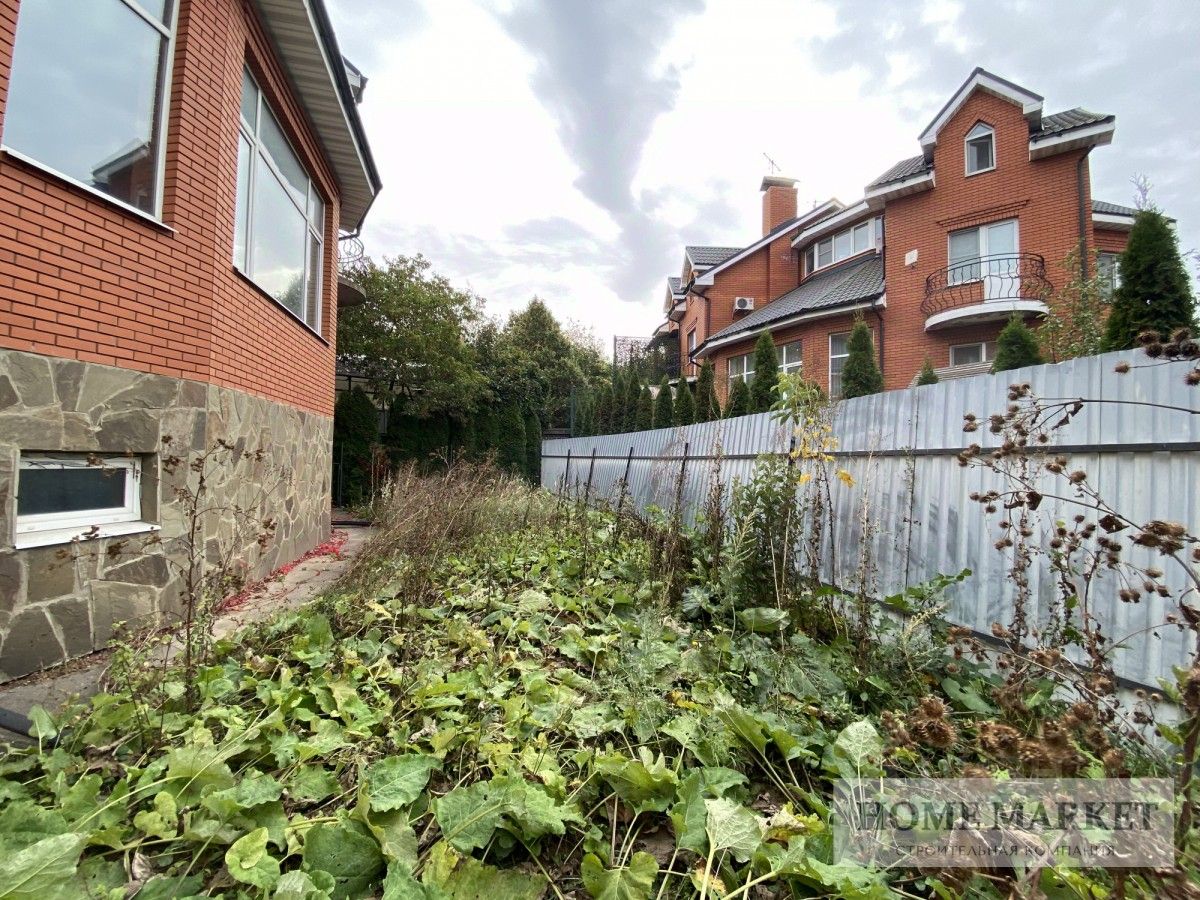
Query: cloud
597, 70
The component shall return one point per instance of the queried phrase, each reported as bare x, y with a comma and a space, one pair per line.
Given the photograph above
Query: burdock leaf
632, 882
41, 869
398, 780
249, 862
732, 827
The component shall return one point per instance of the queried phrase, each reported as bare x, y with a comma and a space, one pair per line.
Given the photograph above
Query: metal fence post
679, 483
587, 493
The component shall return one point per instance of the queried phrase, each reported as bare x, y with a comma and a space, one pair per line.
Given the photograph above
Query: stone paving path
82, 677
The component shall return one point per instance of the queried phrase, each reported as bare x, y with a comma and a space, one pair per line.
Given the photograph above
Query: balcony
986, 289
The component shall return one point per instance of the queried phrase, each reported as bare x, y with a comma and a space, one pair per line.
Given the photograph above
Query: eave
1076, 139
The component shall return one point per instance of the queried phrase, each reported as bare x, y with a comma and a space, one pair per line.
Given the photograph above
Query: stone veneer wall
54, 608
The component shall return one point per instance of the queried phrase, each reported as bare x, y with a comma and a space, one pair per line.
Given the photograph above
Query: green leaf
967, 697
398, 780
43, 724
466, 878
299, 885
633, 882
347, 852
645, 784
469, 815
196, 769
40, 869
763, 619
249, 862
857, 752
162, 821
732, 827
312, 784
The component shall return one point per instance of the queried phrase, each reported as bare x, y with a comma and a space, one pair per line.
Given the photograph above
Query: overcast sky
571, 148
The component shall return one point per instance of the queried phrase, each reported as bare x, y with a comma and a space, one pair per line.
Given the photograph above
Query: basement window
972, 354
981, 149
64, 497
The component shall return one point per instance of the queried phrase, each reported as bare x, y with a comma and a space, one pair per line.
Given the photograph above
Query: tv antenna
774, 165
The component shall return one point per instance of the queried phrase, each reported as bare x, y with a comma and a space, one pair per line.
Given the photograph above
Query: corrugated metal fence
901, 448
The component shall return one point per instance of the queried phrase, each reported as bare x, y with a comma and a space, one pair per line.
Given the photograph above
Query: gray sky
570, 148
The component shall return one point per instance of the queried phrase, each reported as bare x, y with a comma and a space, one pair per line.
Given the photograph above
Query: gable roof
710, 256
906, 168
674, 284
980, 78
853, 282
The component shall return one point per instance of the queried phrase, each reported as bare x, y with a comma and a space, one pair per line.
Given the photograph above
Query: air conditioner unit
743, 304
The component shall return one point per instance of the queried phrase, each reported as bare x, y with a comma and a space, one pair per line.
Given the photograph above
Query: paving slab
81, 678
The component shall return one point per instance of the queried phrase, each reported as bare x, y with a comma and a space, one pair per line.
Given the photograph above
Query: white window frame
1108, 269
788, 364
832, 356
965, 276
746, 369
868, 231
315, 230
987, 352
79, 521
166, 69
979, 131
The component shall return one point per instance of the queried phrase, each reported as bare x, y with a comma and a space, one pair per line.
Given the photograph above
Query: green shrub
861, 375
533, 447
927, 376
685, 404
708, 407
355, 434
766, 374
738, 403
1016, 347
510, 452
664, 406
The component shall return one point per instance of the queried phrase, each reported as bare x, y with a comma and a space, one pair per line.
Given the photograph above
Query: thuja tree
1155, 293
664, 406
644, 411
766, 374
602, 418
533, 446
927, 376
708, 407
861, 375
1016, 347
510, 452
738, 403
685, 404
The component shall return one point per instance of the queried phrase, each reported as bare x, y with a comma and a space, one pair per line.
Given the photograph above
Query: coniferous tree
1015, 347
685, 404
643, 419
664, 405
533, 447
602, 419
510, 454
487, 432
616, 422
355, 432
927, 376
1155, 293
739, 400
861, 375
633, 394
708, 407
766, 374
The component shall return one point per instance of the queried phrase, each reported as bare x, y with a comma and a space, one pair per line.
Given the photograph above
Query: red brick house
938, 254
174, 178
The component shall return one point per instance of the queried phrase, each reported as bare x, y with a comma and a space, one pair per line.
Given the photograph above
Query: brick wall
85, 279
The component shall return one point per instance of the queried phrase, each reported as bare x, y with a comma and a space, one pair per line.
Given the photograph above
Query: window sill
980, 172
92, 192
54, 536
246, 279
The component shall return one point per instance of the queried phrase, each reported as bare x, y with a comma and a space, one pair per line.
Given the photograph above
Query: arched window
981, 149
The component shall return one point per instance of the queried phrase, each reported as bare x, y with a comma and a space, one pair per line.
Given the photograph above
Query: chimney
779, 200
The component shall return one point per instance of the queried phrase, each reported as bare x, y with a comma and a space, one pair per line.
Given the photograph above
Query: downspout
1080, 186
878, 313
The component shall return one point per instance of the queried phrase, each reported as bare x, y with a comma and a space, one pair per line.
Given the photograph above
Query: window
839, 349
691, 348
789, 357
997, 241
980, 149
88, 94
64, 497
741, 368
1108, 270
970, 354
279, 233
857, 239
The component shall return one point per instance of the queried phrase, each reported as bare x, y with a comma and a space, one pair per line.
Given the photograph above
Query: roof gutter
708, 346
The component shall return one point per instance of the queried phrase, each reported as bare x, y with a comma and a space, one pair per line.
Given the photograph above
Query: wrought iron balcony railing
1004, 276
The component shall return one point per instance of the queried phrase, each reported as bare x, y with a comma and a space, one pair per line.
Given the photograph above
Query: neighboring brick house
174, 177
939, 253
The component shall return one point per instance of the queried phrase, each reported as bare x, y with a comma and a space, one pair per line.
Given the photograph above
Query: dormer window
981, 149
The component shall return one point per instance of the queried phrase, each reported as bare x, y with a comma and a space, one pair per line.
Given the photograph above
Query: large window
850, 242
63, 497
997, 242
789, 357
741, 368
88, 94
980, 148
839, 351
278, 236
1108, 270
